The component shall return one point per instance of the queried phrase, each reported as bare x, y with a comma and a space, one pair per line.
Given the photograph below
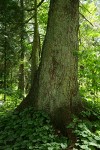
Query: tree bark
35, 59
58, 81
5, 60
21, 66
36, 46
55, 88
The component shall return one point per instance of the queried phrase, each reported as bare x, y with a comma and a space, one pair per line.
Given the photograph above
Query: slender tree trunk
21, 75
11, 78
35, 60
5, 62
5, 68
21, 66
36, 46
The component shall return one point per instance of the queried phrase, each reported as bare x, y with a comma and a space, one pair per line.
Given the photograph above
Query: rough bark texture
58, 83
55, 88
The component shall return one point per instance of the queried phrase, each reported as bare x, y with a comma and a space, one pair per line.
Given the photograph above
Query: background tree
22, 51
21, 31
8, 18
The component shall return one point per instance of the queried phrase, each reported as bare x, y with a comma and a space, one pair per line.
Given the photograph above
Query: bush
87, 129
29, 130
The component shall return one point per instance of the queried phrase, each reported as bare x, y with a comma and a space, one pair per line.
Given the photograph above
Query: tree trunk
55, 88
5, 61
58, 81
21, 66
31, 98
21, 76
5, 66
35, 47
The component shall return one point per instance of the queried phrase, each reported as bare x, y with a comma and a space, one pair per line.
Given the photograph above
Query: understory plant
29, 130
86, 127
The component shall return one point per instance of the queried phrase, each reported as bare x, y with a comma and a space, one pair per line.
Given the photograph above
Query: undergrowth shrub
12, 100
87, 140
29, 130
87, 129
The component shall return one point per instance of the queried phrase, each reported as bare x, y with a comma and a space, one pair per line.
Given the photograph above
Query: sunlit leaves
89, 51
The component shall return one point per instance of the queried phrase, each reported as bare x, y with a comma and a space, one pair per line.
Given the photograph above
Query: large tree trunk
58, 83
56, 89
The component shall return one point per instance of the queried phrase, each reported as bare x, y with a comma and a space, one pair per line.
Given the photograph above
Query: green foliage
28, 130
86, 139
12, 100
87, 129
9, 11
89, 54
31, 130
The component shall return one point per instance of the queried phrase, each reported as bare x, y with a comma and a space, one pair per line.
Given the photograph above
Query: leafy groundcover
29, 130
